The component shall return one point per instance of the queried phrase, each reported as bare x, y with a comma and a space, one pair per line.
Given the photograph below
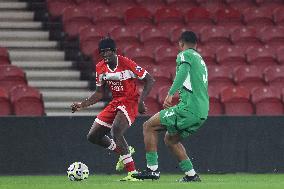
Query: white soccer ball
77, 171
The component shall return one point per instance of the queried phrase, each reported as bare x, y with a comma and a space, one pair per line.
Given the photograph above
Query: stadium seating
56, 7
208, 54
228, 17
231, 56
5, 103
278, 15
215, 36
166, 55
216, 107
258, 16
168, 17
11, 76
138, 15
198, 16
236, 101
73, 20
26, 101
245, 36
280, 55
107, 15
272, 36
267, 101
240, 4
274, 76
152, 106
89, 38
220, 77
4, 56
163, 91
261, 57
153, 38
249, 77
140, 55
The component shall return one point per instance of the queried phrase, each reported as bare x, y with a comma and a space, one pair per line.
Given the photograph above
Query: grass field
218, 181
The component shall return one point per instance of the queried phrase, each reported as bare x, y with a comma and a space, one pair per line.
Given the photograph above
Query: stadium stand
240, 41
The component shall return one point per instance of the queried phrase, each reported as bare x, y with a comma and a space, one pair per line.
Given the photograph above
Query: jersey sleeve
99, 75
137, 70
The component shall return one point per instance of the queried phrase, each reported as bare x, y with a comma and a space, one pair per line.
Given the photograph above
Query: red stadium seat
249, 77
105, 14
208, 54
267, 101
274, 76
216, 107
278, 15
240, 4
152, 106
215, 36
198, 16
231, 56
151, 5
168, 16
273, 36
125, 36
73, 20
153, 38
26, 101
245, 36
89, 39
4, 56
140, 55
163, 72
121, 5
236, 101
262, 57
163, 92
56, 7
258, 16
138, 14
181, 5
11, 76
270, 3
280, 55
220, 77
166, 55
228, 16
4, 103
91, 6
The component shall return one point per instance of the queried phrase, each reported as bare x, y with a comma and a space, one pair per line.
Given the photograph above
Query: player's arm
178, 83
93, 99
148, 84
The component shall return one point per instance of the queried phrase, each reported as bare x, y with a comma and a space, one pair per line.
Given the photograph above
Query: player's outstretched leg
150, 132
173, 143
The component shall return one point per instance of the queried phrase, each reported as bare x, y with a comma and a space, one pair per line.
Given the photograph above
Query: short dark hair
188, 37
107, 43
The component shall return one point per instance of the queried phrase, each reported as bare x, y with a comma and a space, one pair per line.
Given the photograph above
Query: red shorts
128, 107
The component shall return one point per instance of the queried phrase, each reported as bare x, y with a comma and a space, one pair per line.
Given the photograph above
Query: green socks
152, 158
185, 165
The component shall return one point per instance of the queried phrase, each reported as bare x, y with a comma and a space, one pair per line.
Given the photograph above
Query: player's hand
168, 102
76, 106
141, 107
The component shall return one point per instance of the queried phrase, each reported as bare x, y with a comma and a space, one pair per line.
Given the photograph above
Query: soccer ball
77, 171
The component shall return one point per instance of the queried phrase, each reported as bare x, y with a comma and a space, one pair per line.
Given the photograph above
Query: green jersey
192, 83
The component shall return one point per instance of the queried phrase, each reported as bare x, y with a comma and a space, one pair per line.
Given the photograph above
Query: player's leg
120, 125
150, 133
98, 135
173, 142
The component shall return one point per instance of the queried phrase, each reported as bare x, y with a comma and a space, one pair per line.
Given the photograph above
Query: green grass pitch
212, 181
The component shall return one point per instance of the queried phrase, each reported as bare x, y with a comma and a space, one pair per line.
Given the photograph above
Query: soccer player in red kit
119, 74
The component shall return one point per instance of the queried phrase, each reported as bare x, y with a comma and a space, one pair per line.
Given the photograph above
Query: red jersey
121, 80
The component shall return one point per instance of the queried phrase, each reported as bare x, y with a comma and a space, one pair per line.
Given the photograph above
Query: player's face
108, 55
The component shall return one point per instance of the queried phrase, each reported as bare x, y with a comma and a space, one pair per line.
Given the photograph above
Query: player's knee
146, 126
92, 138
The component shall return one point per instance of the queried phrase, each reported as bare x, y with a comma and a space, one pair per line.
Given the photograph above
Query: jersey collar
115, 67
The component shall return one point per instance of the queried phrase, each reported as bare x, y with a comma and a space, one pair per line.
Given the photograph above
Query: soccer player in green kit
181, 120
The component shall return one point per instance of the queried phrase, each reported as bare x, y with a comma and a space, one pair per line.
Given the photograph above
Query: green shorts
179, 121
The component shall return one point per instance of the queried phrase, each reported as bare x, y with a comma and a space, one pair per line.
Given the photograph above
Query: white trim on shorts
103, 123
122, 108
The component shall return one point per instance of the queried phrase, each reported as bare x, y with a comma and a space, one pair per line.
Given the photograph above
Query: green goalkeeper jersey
192, 83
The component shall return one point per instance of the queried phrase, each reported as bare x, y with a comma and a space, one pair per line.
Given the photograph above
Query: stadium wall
47, 145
